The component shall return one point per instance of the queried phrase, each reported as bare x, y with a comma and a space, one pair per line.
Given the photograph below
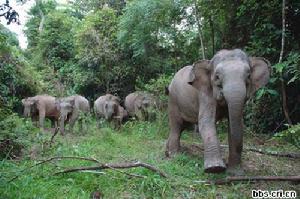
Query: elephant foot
235, 171
171, 154
214, 166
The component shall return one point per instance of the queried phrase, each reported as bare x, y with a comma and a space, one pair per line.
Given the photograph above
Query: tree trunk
282, 85
41, 26
199, 29
212, 28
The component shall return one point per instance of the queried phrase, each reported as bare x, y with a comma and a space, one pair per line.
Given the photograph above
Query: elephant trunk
235, 96
26, 112
62, 124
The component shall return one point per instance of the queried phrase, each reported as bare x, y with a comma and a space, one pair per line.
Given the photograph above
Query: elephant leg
42, 119
73, 119
176, 127
235, 150
213, 162
62, 125
81, 124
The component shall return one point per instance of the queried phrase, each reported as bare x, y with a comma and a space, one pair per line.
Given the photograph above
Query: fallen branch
272, 153
114, 166
186, 147
231, 179
54, 158
275, 153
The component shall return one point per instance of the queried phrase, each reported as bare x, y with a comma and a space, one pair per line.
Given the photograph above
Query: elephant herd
201, 94
67, 109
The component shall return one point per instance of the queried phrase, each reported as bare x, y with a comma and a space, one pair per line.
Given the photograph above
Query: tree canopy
94, 47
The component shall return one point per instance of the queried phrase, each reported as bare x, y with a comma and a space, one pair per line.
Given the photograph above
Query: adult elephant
69, 110
108, 107
140, 105
40, 107
206, 92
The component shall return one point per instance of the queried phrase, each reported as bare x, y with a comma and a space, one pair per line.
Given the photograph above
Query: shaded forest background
108, 46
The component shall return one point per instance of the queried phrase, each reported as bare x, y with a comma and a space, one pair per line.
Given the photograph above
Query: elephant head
30, 106
65, 108
110, 109
229, 79
143, 107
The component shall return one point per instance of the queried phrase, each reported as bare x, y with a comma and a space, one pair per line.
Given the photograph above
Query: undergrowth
143, 141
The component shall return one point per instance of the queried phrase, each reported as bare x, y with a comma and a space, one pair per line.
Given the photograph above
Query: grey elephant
206, 92
70, 109
108, 107
141, 105
40, 107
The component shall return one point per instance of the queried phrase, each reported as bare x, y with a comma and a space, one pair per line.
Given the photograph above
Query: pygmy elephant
39, 107
70, 109
206, 92
108, 107
141, 105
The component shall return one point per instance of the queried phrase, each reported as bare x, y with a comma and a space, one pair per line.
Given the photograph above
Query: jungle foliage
94, 47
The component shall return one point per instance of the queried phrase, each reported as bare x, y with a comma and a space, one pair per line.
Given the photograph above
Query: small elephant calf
108, 107
69, 109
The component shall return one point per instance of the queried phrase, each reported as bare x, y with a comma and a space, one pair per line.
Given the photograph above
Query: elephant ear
200, 74
260, 73
34, 101
23, 101
57, 104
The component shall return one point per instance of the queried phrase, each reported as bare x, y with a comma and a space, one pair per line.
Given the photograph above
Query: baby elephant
70, 108
108, 107
141, 105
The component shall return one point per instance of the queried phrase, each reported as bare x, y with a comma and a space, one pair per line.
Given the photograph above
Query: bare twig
51, 159
231, 179
115, 166
129, 174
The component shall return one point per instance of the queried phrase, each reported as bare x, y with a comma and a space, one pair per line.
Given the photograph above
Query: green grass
141, 141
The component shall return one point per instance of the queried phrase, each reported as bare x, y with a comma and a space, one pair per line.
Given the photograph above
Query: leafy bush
157, 87
291, 135
14, 133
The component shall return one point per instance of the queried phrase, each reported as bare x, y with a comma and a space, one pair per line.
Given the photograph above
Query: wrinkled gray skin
208, 91
69, 110
140, 105
41, 107
108, 107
